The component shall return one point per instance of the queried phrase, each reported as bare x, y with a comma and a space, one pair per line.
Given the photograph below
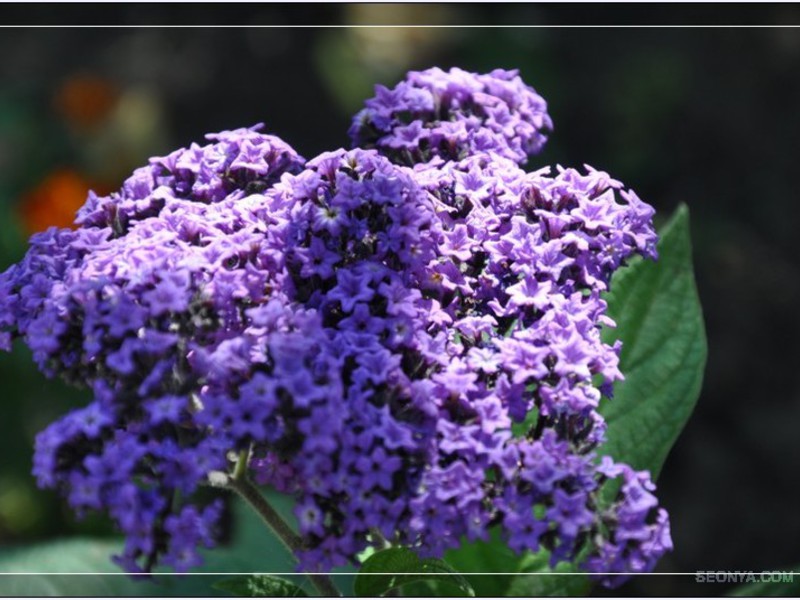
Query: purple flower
166, 296
406, 336
351, 288
455, 112
570, 513
525, 529
317, 259
166, 409
310, 518
529, 292
362, 321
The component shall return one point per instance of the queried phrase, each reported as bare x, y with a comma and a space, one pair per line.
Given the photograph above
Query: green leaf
393, 568
789, 585
490, 557
538, 579
258, 586
254, 549
80, 555
660, 323
495, 570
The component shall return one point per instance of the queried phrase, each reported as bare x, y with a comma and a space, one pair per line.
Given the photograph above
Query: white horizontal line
399, 26
295, 574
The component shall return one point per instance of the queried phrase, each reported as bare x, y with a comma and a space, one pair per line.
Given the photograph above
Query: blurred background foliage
703, 116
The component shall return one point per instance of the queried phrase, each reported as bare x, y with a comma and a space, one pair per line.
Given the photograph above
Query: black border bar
463, 14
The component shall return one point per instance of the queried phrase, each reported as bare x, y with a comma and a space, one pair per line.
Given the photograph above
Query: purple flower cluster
452, 115
404, 336
157, 280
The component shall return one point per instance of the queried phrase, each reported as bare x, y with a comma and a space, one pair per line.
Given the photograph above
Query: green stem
242, 486
240, 468
380, 542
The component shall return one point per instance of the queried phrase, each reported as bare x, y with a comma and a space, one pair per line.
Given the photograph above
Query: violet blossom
404, 336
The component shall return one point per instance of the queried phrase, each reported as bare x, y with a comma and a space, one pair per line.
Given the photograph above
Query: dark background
704, 116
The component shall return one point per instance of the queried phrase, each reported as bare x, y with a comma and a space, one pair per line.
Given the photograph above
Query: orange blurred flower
54, 201
85, 101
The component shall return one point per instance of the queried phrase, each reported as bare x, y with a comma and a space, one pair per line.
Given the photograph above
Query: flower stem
242, 486
381, 543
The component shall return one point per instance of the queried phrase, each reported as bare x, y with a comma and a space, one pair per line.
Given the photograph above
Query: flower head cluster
404, 337
452, 115
158, 278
